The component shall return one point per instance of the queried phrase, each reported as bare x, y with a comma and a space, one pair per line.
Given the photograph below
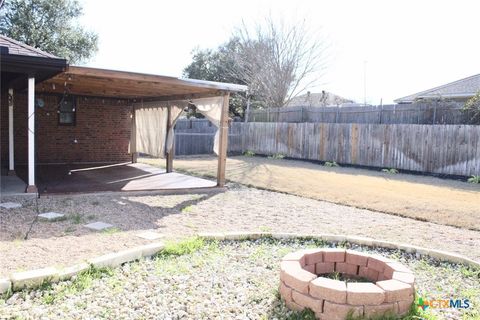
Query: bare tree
277, 60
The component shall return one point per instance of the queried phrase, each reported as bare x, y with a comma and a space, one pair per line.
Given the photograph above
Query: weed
186, 246
331, 164
390, 171
474, 179
276, 156
95, 203
91, 217
187, 209
305, 314
111, 230
76, 218
249, 153
265, 229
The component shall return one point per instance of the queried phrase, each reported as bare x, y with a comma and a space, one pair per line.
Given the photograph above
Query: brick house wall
102, 131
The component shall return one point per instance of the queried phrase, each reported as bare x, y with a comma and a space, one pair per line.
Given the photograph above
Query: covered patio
82, 129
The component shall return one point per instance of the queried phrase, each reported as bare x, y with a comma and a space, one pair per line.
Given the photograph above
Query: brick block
403, 307
293, 306
395, 290
358, 258
314, 256
294, 276
333, 255
380, 310
407, 278
329, 289
295, 256
392, 267
377, 263
346, 268
324, 267
285, 291
370, 274
310, 268
307, 301
335, 311
364, 293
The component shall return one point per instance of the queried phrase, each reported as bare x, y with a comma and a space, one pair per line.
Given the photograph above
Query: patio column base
11, 173
31, 189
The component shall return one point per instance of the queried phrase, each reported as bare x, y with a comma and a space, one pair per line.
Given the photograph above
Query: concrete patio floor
54, 179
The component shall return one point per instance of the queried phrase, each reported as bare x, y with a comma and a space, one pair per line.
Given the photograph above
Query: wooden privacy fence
442, 149
418, 113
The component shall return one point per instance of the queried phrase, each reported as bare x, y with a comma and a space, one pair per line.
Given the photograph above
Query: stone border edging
369, 242
34, 278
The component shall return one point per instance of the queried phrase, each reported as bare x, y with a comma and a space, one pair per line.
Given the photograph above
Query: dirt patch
432, 199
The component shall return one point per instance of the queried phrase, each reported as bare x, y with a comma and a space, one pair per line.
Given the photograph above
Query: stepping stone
98, 226
10, 205
150, 235
51, 216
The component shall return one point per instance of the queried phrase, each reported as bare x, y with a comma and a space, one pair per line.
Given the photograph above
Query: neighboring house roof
463, 88
17, 48
321, 99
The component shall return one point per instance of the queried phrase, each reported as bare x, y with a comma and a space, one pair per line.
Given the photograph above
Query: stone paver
10, 205
98, 226
51, 216
395, 290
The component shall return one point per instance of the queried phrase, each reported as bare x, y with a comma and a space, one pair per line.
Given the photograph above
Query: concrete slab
150, 235
51, 216
98, 226
10, 205
12, 186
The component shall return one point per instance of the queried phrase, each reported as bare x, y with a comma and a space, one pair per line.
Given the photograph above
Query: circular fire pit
374, 285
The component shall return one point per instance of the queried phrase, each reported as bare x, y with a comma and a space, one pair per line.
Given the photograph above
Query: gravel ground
226, 280
239, 209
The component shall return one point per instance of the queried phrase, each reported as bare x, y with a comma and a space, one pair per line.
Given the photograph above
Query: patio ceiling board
121, 84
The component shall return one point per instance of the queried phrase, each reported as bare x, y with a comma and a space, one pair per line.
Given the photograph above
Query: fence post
434, 114
336, 114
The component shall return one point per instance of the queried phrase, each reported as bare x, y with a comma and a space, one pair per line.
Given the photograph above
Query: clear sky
408, 45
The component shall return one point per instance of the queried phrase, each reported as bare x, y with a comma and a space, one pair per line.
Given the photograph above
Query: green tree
49, 25
472, 108
215, 65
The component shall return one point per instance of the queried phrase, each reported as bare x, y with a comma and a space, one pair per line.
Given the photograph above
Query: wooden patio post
223, 143
133, 138
169, 154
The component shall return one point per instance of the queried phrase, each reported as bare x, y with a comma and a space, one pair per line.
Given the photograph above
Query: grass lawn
431, 199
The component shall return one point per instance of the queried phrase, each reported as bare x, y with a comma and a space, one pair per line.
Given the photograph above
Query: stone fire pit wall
391, 289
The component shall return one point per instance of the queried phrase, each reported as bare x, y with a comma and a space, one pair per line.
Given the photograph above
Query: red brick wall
4, 127
102, 130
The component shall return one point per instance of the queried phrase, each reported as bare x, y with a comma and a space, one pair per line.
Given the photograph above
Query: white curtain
211, 108
151, 119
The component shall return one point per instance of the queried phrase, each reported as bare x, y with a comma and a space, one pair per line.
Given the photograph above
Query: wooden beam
133, 138
223, 143
169, 154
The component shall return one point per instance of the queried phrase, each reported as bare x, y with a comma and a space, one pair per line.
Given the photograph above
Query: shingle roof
321, 99
17, 48
462, 88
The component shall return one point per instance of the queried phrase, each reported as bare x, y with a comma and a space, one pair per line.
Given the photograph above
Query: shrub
249, 153
276, 156
331, 164
474, 179
390, 171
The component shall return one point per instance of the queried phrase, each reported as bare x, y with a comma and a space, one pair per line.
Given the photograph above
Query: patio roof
131, 85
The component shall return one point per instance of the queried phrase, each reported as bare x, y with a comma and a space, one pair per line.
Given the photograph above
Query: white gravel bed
226, 280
